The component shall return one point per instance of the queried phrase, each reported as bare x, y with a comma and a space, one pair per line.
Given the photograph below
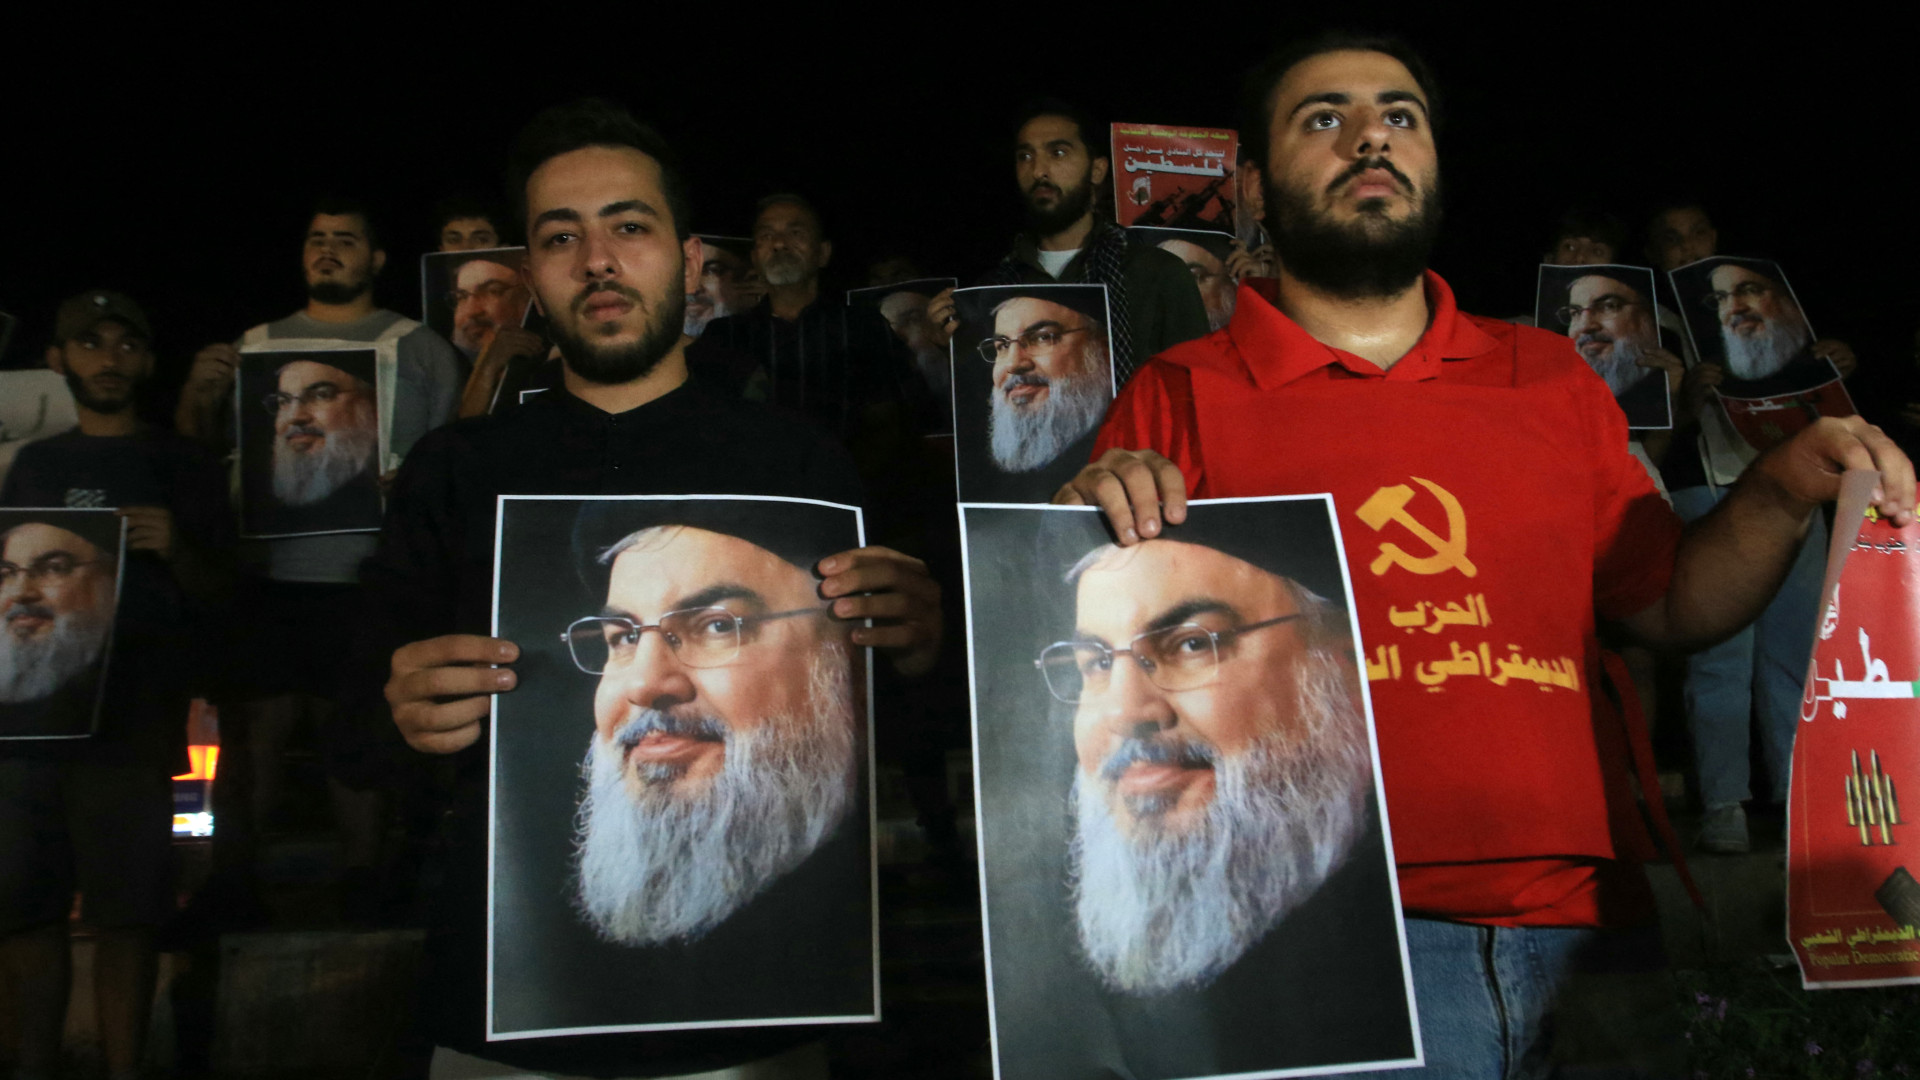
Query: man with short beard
1226, 852
1466, 456
1046, 400
94, 815
609, 257
1060, 164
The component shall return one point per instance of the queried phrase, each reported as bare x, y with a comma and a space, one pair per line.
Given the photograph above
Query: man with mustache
1615, 329
93, 815
465, 223
1060, 164
487, 297
1052, 380
729, 284
1225, 851
609, 258
326, 435
1466, 455
294, 618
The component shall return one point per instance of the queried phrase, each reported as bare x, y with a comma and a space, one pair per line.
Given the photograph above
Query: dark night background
179, 168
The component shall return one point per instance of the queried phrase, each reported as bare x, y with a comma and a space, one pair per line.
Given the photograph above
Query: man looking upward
1523, 836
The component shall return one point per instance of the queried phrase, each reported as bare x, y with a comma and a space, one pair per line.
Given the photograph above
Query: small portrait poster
681, 808
1852, 901
903, 305
59, 592
1186, 866
728, 285
1175, 177
310, 441
467, 296
1742, 314
1610, 315
1206, 253
1032, 379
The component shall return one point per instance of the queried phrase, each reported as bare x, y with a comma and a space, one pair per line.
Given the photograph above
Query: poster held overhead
60, 574
1175, 177
1150, 724
311, 441
711, 863
1742, 314
1608, 312
1032, 379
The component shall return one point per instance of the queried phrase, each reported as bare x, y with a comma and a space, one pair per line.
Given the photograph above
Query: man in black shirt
608, 259
97, 813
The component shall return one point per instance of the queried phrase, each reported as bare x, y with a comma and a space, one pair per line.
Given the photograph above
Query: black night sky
180, 168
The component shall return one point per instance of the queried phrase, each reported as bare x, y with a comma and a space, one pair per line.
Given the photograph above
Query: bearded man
326, 437
609, 258
56, 612
1474, 456
1610, 317
1052, 378
487, 296
1761, 327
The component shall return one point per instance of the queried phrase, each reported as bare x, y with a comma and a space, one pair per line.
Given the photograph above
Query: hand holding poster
59, 591
1175, 177
310, 441
1032, 379
1742, 314
1608, 312
1186, 870
710, 863
1852, 902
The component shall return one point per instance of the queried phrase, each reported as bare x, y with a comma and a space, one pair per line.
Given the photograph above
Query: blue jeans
1762, 669
1492, 1000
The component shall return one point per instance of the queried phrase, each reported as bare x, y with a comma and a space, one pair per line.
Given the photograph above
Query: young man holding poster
1464, 455
609, 258
94, 813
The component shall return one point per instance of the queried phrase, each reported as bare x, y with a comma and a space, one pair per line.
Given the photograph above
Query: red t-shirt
1489, 508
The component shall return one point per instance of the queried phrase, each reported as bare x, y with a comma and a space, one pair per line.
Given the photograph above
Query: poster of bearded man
311, 441
1608, 312
467, 296
59, 590
1032, 379
1742, 315
681, 807
1186, 865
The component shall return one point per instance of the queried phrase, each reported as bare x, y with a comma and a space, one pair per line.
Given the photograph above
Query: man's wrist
1761, 488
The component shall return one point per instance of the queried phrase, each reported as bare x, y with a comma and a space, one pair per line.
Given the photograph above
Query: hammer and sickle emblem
1390, 504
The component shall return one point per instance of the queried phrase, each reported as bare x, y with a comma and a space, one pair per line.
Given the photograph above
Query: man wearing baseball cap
97, 813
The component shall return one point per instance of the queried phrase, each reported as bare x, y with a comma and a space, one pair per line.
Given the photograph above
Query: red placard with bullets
1852, 846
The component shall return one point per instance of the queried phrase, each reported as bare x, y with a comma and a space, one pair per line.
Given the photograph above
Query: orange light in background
204, 760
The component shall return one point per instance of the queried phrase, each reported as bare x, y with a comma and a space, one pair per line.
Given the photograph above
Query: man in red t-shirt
1491, 516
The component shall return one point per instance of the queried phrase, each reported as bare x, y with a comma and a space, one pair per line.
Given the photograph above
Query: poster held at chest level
1149, 723
680, 813
1206, 254
1852, 901
1742, 314
468, 296
903, 305
310, 441
60, 573
1032, 379
1608, 312
1175, 177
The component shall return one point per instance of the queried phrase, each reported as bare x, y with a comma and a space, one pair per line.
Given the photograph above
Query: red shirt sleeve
1635, 533
1155, 412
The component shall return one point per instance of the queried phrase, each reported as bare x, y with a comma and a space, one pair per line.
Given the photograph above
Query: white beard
1159, 911
302, 479
1767, 351
661, 866
1023, 440
32, 669
1621, 367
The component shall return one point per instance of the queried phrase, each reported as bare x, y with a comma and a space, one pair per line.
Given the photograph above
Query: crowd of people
655, 361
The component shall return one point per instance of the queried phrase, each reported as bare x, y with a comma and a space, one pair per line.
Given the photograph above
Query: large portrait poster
681, 808
1186, 868
1175, 177
1608, 312
903, 305
1032, 379
310, 441
1852, 901
467, 296
1206, 253
59, 591
1742, 314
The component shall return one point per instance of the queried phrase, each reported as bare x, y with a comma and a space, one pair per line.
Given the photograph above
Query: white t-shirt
1055, 261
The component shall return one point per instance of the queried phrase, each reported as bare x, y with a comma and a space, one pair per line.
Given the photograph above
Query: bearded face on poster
1212, 737
56, 609
724, 745
1613, 326
1761, 326
326, 431
486, 296
1052, 380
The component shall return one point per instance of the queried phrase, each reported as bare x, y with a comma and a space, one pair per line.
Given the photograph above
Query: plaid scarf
1101, 262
